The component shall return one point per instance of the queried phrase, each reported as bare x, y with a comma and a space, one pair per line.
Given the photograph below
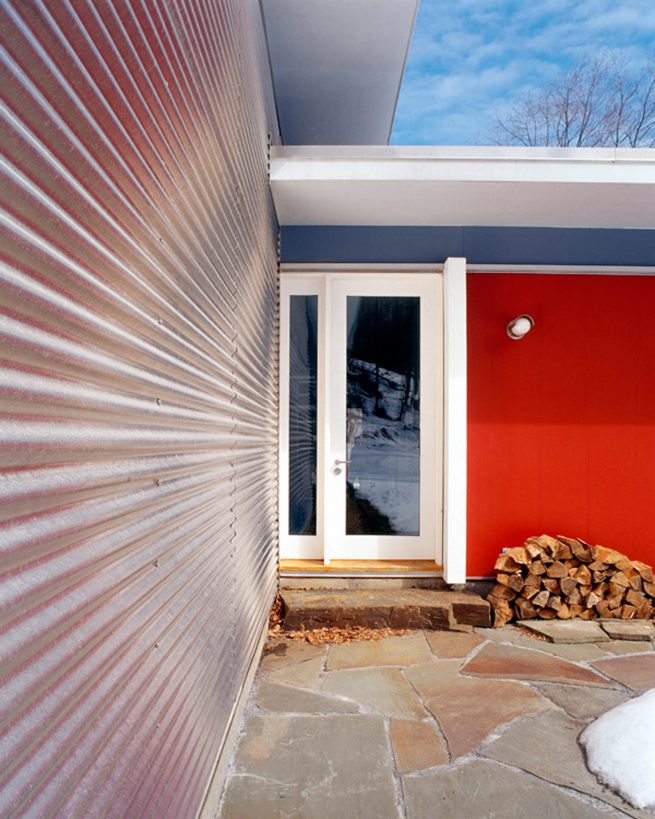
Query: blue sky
470, 58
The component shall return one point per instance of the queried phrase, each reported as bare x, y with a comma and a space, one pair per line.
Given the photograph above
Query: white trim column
455, 421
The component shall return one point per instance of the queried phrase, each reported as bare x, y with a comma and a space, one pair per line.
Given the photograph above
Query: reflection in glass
382, 416
302, 415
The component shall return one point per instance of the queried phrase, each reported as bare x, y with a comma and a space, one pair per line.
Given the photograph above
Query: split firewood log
515, 582
592, 599
619, 579
568, 585
507, 564
525, 610
557, 569
567, 577
583, 576
603, 609
502, 611
645, 571
518, 555
609, 556
540, 600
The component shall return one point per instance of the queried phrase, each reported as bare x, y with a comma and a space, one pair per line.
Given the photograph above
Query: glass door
361, 417
382, 499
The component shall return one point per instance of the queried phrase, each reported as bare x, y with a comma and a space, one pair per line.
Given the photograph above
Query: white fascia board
471, 152
464, 170
464, 186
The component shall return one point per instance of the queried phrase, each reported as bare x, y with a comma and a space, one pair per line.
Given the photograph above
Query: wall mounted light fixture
520, 326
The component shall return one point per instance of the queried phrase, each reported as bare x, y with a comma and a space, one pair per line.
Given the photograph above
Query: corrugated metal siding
138, 326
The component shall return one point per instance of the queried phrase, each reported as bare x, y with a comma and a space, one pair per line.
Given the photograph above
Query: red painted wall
562, 423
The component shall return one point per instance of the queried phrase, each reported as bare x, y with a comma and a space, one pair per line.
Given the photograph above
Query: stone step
384, 608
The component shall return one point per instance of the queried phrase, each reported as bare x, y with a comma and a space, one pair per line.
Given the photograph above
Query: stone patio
431, 724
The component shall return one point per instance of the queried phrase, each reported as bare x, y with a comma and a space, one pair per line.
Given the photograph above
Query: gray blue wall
479, 245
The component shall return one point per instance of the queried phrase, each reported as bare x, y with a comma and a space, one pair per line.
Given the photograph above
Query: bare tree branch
600, 102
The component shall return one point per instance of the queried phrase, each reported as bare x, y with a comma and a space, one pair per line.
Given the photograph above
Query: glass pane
383, 415
302, 415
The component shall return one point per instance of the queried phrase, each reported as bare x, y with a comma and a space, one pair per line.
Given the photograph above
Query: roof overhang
506, 187
337, 66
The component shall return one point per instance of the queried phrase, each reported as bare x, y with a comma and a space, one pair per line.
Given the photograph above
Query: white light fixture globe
520, 326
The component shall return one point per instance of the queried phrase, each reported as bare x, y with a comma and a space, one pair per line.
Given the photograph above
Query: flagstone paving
407, 650
282, 653
307, 674
569, 631
484, 790
446, 644
576, 652
506, 662
417, 745
550, 751
637, 673
384, 689
287, 700
627, 647
468, 710
300, 767
431, 724
580, 701
630, 629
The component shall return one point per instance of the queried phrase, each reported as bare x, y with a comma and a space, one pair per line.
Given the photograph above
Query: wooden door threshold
360, 568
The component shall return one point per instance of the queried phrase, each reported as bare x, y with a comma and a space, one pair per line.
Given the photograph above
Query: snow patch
620, 749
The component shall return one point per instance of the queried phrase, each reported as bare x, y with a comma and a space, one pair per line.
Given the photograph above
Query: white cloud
470, 58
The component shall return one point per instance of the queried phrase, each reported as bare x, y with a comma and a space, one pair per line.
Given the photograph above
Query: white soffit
505, 187
337, 67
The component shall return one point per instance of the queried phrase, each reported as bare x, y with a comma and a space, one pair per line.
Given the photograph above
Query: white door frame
455, 421
427, 545
453, 501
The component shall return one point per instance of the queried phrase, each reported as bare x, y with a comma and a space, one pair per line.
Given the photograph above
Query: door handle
336, 469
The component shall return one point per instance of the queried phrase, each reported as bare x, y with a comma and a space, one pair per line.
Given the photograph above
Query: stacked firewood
565, 577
